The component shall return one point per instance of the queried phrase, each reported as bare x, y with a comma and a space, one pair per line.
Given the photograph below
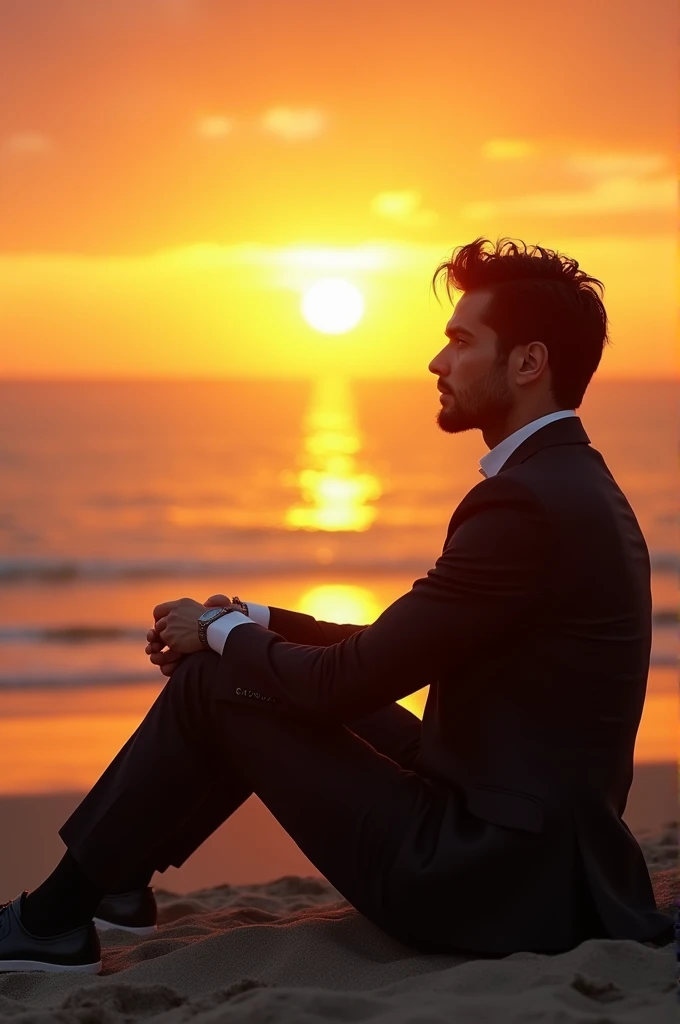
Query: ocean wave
70, 634
666, 618
665, 562
119, 677
77, 634
664, 661
60, 680
19, 570
99, 570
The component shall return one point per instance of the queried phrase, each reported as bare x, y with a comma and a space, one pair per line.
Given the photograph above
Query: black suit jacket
533, 630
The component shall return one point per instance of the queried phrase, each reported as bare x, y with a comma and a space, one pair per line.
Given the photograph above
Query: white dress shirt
218, 632
490, 464
495, 459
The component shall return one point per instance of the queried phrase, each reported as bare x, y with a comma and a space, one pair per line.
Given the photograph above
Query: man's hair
542, 297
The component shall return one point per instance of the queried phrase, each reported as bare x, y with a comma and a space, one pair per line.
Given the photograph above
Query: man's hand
168, 660
177, 624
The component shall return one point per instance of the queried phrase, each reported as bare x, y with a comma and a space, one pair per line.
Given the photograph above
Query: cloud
365, 256
617, 183
614, 165
285, 122
293, 124
508, 149
29, 143
403, 208
215, 126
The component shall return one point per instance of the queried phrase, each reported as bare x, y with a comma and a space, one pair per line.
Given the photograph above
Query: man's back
533, 631
538, 732
559, 707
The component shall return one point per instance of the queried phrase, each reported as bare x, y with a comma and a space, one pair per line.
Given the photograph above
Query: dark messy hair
536, 295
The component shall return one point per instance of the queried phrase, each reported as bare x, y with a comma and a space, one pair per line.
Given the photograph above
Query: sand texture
293, 950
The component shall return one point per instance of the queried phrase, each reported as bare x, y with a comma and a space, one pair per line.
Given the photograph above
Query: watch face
211, 614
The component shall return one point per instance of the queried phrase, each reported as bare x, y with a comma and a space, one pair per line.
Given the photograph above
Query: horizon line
258, 378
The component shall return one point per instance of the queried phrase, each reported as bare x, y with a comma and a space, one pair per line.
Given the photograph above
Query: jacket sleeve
305, 629
485, 590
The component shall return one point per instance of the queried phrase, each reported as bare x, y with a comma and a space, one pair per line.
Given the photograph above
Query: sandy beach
292, 949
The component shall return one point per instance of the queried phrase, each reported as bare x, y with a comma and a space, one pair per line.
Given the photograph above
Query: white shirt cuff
218, 631
259, 613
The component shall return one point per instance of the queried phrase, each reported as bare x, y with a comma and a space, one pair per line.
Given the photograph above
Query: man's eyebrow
449, 332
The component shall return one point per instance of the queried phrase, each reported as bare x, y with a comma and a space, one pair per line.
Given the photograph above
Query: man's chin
453, 422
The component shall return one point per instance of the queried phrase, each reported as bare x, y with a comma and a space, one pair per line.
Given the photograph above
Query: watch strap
241, 604
204, 623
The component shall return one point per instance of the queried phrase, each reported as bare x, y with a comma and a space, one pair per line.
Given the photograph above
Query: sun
332, 305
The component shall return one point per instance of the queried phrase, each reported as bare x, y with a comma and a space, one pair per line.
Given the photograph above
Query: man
496, 824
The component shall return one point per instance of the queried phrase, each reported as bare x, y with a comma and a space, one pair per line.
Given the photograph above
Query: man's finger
164, 657
161, 658
162, 609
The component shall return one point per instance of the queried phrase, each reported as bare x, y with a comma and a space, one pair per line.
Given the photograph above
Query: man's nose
436, 367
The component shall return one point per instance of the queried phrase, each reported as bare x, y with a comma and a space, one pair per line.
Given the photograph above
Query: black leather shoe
133, 911
77, 950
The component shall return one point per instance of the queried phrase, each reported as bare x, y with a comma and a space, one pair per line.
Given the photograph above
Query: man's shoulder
502, 489
502, 494
544, 486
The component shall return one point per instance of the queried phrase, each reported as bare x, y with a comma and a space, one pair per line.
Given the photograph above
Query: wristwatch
204, 620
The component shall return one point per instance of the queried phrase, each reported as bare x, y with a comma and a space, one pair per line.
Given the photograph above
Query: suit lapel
569, 430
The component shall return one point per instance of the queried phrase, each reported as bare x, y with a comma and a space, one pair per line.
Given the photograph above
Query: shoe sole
39, 965
109, 926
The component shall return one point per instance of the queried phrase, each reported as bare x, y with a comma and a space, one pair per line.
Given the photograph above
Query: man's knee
195, 674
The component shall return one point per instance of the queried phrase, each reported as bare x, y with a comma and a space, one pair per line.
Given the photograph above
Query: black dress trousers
346, 794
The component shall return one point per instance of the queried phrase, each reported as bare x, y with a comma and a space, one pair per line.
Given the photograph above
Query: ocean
329, 496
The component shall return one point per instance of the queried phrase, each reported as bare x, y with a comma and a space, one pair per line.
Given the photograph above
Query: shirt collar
494, 460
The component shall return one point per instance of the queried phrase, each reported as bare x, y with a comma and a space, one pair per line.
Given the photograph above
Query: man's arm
296, 627
299, 628
487, 588
293, 626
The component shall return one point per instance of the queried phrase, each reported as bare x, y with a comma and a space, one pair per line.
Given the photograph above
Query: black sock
135, 880
66, 899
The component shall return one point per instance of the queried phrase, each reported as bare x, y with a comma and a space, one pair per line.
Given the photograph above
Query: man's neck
517, 419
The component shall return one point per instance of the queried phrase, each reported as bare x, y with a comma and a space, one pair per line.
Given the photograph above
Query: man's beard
484, 404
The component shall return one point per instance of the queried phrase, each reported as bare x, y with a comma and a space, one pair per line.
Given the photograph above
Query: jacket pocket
505, 807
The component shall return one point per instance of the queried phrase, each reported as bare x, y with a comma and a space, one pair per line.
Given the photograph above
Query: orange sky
175, 173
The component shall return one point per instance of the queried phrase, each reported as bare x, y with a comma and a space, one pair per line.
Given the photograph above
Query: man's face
475, 387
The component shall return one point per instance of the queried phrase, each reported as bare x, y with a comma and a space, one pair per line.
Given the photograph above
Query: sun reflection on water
340, 602
349, 603
334, 491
